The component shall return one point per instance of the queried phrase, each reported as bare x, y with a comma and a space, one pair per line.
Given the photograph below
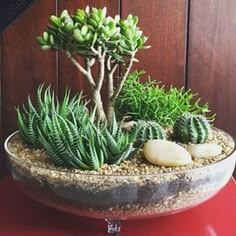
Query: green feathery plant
150, 101
70, 134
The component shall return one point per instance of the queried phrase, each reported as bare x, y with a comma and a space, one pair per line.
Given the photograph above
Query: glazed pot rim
52, 168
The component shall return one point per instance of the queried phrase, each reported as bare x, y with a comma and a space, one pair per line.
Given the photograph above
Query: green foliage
86, 30
150, 101
87, 146
147, 130
190, 128
119, 143
71, 144
69, 133
33, 118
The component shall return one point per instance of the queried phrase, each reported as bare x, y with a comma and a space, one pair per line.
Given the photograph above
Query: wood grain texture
69, 76
212, 61
24, 65
1, 141
164, 22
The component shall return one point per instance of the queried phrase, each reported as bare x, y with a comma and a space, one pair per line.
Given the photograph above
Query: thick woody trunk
100, 110
110, 111
110, 104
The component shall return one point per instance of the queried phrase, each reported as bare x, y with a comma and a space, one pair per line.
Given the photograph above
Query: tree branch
110, 80
110, 91
86, 72
114, 68
108, 64
94, 51
99, 52
76, 63
101, 59
88, 65
110, 69
122, 80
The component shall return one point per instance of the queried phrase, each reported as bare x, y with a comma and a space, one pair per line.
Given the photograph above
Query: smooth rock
166, 153
204, 150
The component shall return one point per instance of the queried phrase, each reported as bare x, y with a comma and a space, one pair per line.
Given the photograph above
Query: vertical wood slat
69, 76
24, 64
212, 61
1, 141
164, 22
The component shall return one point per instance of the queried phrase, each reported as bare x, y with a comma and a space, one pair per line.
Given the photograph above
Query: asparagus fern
151, 101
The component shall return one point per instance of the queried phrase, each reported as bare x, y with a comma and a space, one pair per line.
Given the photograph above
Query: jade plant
110, 42
70, 134
190, 128
151, 101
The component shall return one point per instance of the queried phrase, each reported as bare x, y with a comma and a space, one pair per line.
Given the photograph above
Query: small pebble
166, 153
135, 165
204, 150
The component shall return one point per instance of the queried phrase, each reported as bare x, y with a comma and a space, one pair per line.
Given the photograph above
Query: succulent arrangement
75, 136
125, 152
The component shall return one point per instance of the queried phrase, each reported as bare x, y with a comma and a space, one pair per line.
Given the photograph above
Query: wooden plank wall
212, 57
24, 66
1, 143
164, 22
193, 45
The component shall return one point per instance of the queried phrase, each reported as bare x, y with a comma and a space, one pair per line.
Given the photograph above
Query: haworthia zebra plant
71, 145
93, 35
32, 119
119, 143
70, 134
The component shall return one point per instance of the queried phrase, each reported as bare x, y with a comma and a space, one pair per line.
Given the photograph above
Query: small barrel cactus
147, 130
190, 128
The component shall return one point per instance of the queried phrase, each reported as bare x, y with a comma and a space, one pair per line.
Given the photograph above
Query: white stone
166, 153
204, 150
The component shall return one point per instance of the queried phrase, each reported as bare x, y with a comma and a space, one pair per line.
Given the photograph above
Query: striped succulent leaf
119, 143
70, 135
31, 117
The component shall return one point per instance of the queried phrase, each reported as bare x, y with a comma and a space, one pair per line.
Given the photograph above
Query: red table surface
21, 216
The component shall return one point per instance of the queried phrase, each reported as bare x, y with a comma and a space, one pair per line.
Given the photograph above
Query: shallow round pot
120, 197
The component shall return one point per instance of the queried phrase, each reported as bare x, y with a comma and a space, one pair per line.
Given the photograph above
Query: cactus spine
190, 128
147, 130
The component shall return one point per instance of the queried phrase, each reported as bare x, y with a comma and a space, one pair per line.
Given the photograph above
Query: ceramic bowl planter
119, 197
